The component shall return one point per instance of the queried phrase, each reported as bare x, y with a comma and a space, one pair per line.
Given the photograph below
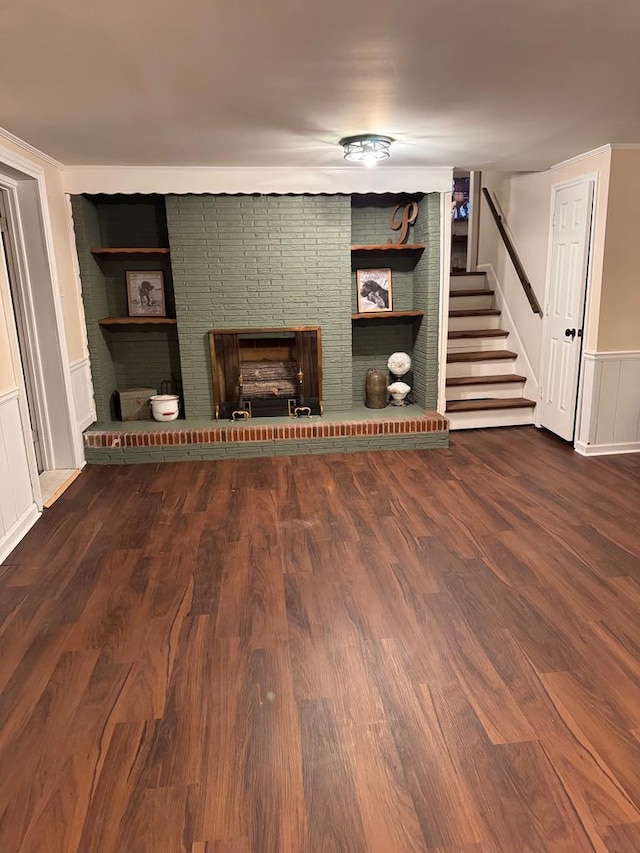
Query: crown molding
247, 180
9, 137
610, 146
592, 153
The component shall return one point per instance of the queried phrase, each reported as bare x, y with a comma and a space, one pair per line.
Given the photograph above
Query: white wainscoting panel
83, 393
18, 509
610, 410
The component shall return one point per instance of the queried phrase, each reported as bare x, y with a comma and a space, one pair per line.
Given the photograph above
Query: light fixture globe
368, 148
399, 363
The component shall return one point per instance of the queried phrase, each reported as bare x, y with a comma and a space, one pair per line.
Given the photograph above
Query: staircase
483, 386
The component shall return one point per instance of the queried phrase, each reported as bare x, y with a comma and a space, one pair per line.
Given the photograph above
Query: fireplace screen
266, 372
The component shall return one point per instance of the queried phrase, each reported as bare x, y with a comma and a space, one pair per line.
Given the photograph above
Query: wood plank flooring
402, 651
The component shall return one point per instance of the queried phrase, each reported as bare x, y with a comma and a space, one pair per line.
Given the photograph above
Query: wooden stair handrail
511, 249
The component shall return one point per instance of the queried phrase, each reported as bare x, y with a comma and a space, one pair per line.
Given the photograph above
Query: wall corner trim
7, 136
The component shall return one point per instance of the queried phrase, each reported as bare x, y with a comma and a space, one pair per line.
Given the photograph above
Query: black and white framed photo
145, 294
374, 291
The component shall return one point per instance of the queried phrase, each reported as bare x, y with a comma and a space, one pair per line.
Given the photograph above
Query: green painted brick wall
257, 261
370, 224
273, 261
144, 359
95, 297
370, 218
426, 297
122, 358
373, 343
131, 220
414, 286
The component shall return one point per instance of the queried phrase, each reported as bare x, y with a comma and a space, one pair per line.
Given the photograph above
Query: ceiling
497, 84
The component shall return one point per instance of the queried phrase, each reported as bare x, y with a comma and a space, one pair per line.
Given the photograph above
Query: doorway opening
9, 259
48, 429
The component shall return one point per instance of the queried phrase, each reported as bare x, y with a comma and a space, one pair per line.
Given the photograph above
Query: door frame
61, 445
445, 285
19, 311
591, 178
473, 239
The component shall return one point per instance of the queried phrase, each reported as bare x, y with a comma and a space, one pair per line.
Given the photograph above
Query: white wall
619, 326
524, 201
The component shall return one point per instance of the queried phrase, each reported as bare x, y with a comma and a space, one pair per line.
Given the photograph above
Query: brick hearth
124, 443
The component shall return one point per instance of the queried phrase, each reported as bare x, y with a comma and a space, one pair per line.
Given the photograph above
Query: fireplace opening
266, 372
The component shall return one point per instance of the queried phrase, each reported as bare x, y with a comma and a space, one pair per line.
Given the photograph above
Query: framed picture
374, 291
145, 294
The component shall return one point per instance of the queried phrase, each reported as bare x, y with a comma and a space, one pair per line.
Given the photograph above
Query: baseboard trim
20, 529
606, 449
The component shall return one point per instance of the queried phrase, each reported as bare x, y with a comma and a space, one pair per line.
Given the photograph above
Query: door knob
570, 333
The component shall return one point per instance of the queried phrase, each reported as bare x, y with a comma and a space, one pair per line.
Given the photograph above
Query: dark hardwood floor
402, 651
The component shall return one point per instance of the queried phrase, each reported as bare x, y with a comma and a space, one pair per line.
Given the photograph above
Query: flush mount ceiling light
368, 148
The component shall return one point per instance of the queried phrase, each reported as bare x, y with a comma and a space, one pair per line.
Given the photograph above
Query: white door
564, 307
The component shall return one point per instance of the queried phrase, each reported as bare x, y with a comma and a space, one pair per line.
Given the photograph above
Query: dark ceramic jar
375, 389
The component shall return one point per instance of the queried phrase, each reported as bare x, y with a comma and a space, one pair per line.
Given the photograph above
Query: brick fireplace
245, 276
266, 372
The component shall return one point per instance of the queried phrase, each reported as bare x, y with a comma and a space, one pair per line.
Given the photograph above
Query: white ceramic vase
398, 391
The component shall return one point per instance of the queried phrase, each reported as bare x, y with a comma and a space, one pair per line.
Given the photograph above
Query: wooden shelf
388, 315
97, 250
137, 321
389, 247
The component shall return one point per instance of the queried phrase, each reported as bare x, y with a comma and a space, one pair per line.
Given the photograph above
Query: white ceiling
489, 84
